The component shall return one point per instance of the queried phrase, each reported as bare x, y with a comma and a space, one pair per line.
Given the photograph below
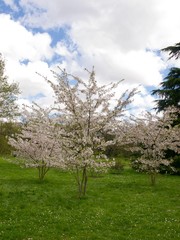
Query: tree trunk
42, 170
82, 182
153, 179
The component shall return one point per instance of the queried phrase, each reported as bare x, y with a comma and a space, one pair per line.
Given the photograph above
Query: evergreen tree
169, 92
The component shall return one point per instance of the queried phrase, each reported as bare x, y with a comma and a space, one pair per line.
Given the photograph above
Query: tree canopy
169, 91
72, 134
8, 94
150, 136
37, 143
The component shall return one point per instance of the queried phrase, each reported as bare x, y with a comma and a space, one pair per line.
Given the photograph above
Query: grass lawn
117, 207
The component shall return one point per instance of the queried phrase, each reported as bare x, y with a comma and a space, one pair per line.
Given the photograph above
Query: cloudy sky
121, 38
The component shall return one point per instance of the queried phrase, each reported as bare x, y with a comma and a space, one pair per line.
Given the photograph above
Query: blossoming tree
151, 136
86, 112
38, 143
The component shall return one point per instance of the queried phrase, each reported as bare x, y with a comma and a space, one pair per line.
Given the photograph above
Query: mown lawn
117, 206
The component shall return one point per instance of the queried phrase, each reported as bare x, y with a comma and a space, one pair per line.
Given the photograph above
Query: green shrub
176, 164
118, 167
4, 146
7, 129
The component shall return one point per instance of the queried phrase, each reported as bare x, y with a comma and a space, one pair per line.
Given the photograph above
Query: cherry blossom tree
38, 144
86, 112
151, 136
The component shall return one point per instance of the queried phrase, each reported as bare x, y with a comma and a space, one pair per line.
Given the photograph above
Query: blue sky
112, 35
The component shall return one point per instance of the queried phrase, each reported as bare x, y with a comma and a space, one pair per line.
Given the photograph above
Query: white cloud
48, 14
142, 101
129, 24
139, 67
18, 43
112, 35
11, 4
29, 81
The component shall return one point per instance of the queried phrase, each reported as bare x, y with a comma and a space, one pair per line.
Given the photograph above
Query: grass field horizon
117, 206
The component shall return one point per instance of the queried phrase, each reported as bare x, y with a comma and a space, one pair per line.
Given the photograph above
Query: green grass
117, 206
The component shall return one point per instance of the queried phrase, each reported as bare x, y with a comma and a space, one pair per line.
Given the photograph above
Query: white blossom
86, 114
38, 144
151, 136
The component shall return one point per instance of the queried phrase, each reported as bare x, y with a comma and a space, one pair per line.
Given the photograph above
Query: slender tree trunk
78, 181
82, 182
42, 170
153, 179
85, 182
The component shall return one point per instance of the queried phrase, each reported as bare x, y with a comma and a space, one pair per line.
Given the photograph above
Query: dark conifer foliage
169, 92
169, 95
174, 51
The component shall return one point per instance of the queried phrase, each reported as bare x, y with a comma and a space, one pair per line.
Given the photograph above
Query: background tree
169, 91
7, 129
37, 145
169, 95
150, 137
170, 87
86, 112
8, 94
8, 109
